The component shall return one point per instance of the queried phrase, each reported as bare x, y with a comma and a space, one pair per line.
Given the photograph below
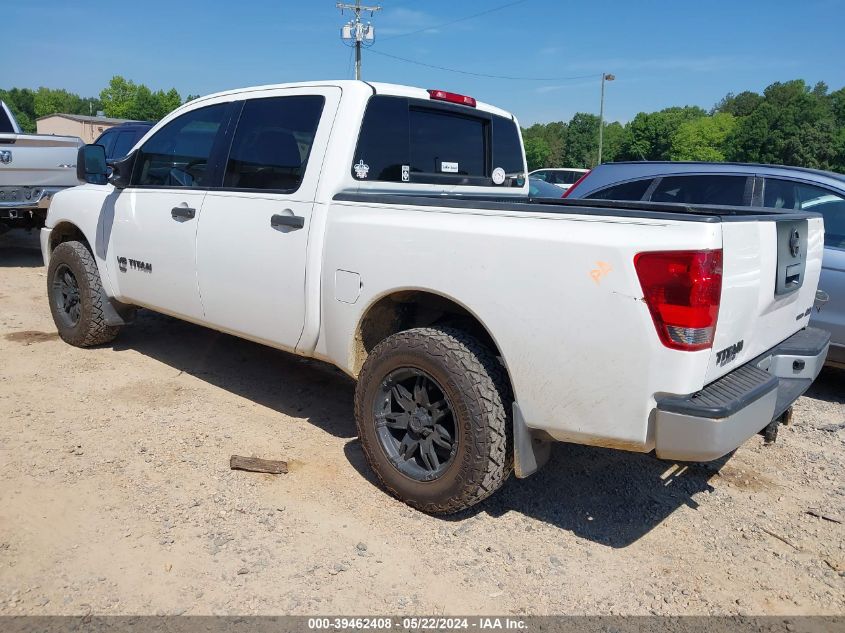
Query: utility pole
604, 77
357, 31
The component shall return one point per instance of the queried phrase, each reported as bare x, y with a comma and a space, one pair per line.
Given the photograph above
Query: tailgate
39, 160
771, 267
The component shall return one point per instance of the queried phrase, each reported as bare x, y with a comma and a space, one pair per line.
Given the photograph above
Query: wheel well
67, 232
410, 309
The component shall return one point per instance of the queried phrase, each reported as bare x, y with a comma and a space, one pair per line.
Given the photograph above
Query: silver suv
743, 185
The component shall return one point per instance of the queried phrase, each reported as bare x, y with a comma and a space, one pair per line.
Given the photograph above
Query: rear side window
785, 194
410, 140
178, 154
272, 143
725, 190
634, 190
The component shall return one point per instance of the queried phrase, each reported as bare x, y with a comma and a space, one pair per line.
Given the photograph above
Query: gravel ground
116, 496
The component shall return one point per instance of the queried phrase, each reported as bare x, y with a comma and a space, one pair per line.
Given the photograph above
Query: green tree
124, 99
582, 141
21, 102
703, 138
650, 134
169, 101
118, 98
50, 101
615, 137
536, 152
793, 125
742, 104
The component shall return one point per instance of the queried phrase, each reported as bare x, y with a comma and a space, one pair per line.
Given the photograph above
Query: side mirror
91, 164
121, 171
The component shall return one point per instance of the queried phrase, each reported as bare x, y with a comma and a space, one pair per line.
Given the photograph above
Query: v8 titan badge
406, 173
498, 176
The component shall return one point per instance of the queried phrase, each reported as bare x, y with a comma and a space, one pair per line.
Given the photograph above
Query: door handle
182, 213
287, 221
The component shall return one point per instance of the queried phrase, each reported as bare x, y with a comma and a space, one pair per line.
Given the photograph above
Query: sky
663, 53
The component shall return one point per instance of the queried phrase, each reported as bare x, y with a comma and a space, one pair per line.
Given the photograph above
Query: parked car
744, 185
33, 167
541, 189
118, 140
375, 227
560, 177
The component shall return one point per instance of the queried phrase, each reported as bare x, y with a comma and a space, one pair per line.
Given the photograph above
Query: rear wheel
76, 296
433, 413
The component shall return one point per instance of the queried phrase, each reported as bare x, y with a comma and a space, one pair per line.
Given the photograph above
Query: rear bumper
25, 198
719, 418
836, 356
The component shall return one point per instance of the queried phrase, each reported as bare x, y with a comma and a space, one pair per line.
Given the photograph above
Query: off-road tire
91, 328
476, 384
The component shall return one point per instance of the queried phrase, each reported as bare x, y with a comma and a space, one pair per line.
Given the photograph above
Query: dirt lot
116, 496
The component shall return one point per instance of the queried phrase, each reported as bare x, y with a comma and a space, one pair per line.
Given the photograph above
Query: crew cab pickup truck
33, 167
388, 230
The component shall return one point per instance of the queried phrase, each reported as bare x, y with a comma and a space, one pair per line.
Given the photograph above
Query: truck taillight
451, 97
682, 290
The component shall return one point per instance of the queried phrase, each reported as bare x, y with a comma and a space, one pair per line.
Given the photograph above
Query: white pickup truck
387, 230
33, 168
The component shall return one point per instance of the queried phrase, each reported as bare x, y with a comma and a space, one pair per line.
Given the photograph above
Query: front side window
411, 140
178, 154
634, 190
786, 194
542, 175
272, 143
701, 189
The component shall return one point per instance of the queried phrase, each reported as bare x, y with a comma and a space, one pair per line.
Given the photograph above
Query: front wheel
76, 296
433, 412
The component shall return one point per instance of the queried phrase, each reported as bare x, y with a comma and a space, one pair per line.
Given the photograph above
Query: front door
253, 233
151, 228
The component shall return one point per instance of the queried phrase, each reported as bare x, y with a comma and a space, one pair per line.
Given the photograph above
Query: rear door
253, 234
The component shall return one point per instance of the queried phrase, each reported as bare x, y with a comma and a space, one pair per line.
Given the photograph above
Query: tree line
791, 123
121, 99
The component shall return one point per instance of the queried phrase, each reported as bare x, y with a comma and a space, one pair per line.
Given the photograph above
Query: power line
467, 72
450, 22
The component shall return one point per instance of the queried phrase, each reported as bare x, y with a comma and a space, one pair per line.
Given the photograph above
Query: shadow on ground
829, 386
20, 249
283, 382
606, 496
610, 497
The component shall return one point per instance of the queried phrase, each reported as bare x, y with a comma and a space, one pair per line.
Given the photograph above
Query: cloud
401, 20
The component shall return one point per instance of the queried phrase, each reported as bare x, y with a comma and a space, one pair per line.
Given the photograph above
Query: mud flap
529, 452
115, 312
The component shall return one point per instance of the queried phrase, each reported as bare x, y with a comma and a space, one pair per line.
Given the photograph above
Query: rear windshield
411, 140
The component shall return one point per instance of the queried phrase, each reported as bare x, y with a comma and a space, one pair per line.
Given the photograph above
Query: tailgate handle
793, 276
